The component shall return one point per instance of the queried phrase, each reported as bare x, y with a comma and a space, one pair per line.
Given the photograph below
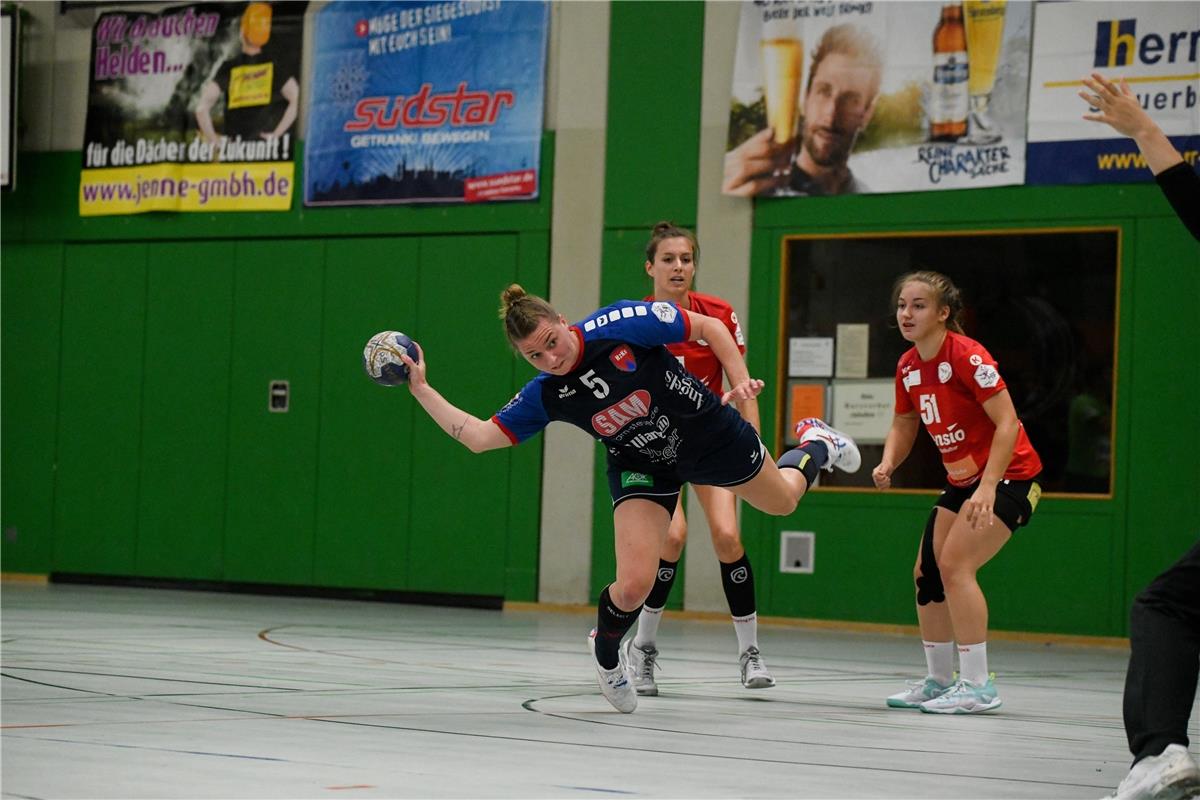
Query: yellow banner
254, 186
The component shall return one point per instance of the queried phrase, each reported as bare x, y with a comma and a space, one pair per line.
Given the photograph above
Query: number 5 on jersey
597, 385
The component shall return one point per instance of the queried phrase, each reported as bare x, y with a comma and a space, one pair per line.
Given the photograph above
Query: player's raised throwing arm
477, 435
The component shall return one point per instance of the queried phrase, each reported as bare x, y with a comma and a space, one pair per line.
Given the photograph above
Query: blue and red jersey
628, 391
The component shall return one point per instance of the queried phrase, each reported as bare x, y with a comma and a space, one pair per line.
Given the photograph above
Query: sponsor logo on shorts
635, 479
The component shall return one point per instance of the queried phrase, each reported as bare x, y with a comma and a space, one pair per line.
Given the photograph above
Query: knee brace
929, 582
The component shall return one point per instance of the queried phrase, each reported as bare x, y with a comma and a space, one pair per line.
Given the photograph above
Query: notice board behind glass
1043, 303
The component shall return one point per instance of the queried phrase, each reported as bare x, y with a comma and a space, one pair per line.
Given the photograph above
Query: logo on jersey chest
621, 413
948, 440
622, 358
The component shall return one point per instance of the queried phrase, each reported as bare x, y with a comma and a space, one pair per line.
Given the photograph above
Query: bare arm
896, 447
209, 94
720, 341
1119, 108
1000, 411
291, 93
749, 411
477, 435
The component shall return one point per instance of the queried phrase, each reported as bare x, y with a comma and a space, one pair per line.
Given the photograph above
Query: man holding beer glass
838, 103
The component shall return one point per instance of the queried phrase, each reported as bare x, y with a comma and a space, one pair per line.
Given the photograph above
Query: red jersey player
950, 384
671, 257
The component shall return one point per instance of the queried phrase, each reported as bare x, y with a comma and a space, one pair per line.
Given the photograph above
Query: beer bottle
948, 101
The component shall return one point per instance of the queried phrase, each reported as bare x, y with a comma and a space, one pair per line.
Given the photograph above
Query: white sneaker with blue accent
843, 452
1171, 775
965, 698
918, 692
615, 684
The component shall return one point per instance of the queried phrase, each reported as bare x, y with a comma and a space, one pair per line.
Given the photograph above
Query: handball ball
381, 357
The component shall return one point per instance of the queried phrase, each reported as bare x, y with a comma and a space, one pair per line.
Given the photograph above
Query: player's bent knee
630, 593
727, 544
676, 539
928, 575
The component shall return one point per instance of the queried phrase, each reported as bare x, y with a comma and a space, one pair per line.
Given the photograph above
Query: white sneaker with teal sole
642, 662
965, 698
843, 452
918, 692
615, 684
1171, 775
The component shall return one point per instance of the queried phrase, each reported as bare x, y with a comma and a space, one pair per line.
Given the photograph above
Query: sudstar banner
192, 109
426, 102
1154, 46
863, 97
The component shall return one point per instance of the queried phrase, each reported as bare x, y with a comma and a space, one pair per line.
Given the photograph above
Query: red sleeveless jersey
697, 357
948, 392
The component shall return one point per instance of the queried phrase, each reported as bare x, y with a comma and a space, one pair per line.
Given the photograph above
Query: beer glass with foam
985, 35
782, 53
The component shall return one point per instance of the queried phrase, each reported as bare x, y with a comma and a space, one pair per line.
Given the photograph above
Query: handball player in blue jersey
611, 375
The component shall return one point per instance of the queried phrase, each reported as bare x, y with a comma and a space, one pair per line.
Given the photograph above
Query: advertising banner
1151, 45
860, 97
426, 102
192, 109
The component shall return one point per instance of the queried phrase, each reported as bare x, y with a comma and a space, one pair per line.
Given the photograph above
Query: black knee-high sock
808, 458
611, 624
662, 584
738, 580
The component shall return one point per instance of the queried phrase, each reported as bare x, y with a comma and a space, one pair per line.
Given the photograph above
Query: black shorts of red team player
734, 463
1015, 500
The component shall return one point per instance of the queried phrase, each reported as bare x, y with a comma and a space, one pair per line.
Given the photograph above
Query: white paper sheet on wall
853, 343
810, 357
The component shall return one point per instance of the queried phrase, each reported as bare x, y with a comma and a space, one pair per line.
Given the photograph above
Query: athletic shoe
843, 452
1171, 775
918, 692
615, 684
965, 697
642, 662
754, 671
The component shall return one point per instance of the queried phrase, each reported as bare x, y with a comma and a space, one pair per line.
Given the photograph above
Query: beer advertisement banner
863, 97
193, 109
426, 102
1152, 45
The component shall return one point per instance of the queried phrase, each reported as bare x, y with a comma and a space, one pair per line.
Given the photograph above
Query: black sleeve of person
1181, 185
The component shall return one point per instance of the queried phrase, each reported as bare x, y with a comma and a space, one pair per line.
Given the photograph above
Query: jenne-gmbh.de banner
426, 102
193, 109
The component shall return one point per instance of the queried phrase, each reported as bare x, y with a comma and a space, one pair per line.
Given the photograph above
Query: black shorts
736, 462
1015, 500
